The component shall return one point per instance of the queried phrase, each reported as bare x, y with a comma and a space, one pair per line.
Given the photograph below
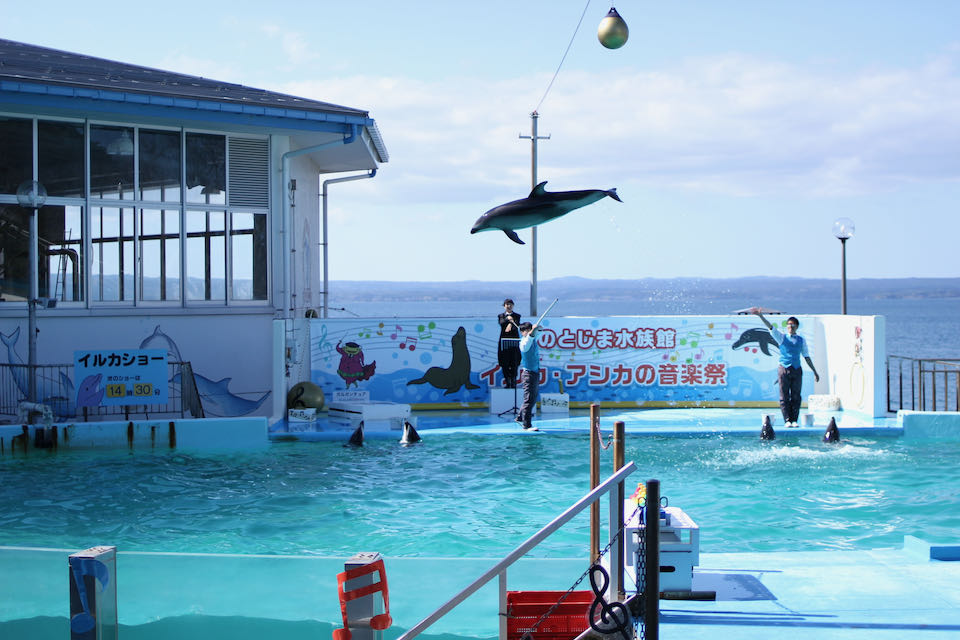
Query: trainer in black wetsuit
508, 351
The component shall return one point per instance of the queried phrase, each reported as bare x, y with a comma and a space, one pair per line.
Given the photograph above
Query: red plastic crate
566, 622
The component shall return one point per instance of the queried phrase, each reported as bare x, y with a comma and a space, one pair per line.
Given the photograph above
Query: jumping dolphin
539, 207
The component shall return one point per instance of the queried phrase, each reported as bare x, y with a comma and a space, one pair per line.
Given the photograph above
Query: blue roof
33, 75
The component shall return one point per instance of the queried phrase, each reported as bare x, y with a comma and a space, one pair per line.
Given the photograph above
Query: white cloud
726, 124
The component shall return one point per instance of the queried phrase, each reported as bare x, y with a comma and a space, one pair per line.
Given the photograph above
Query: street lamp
843, 229
32, 195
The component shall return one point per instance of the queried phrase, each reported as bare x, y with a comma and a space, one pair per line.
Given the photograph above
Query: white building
181, 213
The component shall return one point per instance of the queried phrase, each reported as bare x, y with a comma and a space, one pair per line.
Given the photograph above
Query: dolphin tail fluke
13, 337
513, 236
410, 435
613, 194
356, 440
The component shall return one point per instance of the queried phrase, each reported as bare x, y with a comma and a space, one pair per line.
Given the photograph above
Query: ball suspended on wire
305, 395
613, 31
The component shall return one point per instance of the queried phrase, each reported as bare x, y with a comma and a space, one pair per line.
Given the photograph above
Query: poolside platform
841, 595
648, 422
827, 595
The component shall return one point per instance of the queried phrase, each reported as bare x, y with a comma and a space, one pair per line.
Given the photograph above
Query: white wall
851, 358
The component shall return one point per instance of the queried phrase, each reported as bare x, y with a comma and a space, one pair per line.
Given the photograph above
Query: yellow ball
305, 395
613, 31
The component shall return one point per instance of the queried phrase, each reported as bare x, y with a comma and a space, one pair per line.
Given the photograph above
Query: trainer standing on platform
508, 351
792, 347
529, 373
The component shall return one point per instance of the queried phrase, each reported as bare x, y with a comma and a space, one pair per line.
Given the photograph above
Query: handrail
927, 381
497, 569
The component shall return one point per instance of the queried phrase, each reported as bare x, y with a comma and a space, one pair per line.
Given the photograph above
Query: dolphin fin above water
539, 207
513, 236
410, 435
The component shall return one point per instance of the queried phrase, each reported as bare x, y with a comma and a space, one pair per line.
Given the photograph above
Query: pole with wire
533, 230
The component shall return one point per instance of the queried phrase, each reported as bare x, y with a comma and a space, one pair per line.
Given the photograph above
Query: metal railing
56, 390
609, 486
923, 384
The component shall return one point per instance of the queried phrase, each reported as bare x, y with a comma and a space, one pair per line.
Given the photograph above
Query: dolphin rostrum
539, 207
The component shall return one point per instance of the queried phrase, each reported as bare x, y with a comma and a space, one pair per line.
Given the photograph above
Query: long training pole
544, 314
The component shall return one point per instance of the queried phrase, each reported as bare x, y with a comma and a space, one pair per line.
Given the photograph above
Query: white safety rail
608, 486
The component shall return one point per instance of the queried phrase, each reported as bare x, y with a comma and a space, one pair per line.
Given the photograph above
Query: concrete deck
843, 595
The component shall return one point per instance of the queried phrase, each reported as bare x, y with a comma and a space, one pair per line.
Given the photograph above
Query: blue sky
735, 132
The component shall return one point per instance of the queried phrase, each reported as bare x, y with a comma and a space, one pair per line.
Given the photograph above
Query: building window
206, 168
60, 158
60, 253
206, 255
164, 216
111, 163
16, 160
111, 271
248, 236
160, 165
159, 238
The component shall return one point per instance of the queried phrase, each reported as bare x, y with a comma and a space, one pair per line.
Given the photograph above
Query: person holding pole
508, 353
790, 374
529, 373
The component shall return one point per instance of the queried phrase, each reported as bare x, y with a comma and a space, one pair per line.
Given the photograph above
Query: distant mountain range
585, 289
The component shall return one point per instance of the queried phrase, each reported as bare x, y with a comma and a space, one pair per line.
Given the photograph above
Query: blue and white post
93, 594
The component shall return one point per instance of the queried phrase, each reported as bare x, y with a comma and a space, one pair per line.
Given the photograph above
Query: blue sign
123, 377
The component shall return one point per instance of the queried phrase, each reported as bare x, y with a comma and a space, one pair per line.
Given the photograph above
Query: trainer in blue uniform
529, 373
792, 347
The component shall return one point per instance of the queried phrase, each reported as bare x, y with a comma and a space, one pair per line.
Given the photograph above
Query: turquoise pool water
476, 496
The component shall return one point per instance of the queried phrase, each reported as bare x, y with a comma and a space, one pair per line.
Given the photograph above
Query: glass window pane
111, 273
206, 255
248, 234
111, 162
206, 168
61, 253
160, 165
16, 160
60, 158
159, 254
14, 253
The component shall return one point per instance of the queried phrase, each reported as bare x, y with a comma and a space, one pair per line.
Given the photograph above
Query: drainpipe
285, 219
326, 282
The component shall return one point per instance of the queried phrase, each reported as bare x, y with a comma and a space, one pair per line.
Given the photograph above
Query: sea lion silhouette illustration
457, 375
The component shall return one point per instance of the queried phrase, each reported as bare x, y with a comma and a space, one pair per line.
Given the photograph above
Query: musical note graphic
614, 616
411, 341
364, 333
380, 329
393, 336
84, 621
423, 333
325, 347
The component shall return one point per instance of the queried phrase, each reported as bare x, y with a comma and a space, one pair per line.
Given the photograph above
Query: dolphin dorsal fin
539, 190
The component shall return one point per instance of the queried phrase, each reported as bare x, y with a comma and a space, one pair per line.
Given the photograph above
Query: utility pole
533, 137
